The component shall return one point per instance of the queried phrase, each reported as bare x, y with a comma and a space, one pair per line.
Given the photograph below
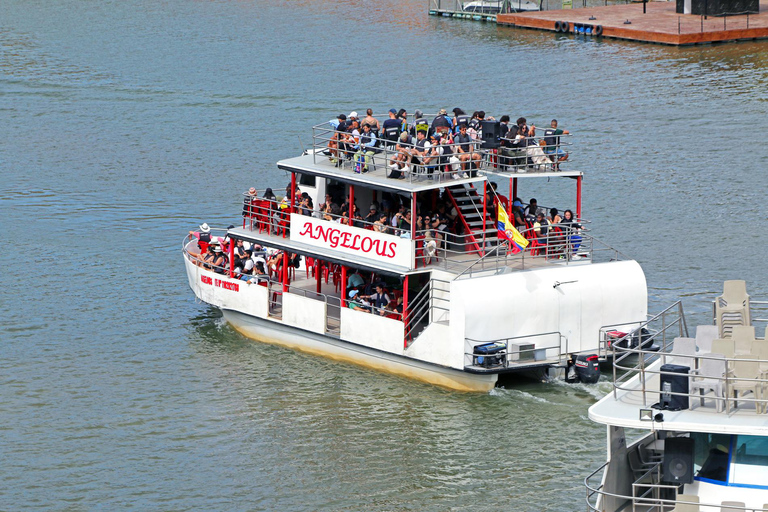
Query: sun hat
252, 191
353, 114
205, 228
216, 247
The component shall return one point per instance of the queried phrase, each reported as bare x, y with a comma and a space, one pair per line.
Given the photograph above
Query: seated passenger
371, 122
390, 311
554, 216
552, 143
571, 229
356, 303
465, 149
441, 124
541, 228
220, 260
399, 163
366, 148
432, 159
372, 216
532, 210
380, 226
420, 151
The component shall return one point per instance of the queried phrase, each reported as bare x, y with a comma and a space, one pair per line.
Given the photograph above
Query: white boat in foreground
701, 404
469, 309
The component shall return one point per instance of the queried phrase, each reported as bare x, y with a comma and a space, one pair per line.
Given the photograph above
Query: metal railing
636, 353
649, 499
483, 7
451, 162
522, 354
431, 301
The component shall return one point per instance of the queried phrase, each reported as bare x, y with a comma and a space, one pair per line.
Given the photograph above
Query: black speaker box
677, 466
675, 383
491, 134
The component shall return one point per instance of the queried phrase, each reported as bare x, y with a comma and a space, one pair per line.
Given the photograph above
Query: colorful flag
508, 232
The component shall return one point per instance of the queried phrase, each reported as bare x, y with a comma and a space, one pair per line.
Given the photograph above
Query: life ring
564, 26
598, 31
558, 26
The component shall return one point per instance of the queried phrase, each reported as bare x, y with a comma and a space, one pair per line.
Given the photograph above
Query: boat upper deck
425, 158
716, 382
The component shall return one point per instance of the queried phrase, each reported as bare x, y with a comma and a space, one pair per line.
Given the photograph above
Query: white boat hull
268, 331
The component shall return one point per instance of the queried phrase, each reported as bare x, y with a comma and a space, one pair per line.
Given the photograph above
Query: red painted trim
578, 197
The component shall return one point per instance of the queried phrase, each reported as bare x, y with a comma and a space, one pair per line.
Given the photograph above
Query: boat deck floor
659, 24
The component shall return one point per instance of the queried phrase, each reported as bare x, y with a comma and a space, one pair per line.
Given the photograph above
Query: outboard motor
587, 368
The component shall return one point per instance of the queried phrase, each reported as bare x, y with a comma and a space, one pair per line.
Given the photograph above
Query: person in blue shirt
366, 147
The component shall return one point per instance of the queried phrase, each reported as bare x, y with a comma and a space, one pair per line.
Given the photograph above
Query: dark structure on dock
717, 7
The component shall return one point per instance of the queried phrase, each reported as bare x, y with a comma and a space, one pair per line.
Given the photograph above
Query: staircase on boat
469, 204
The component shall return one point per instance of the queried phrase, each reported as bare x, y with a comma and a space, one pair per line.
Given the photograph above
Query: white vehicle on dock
500, 6
466, 308
701, 403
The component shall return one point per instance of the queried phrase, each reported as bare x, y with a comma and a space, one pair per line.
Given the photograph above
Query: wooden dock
661, 24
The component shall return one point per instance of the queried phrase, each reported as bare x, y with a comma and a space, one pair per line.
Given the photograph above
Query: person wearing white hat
203, 239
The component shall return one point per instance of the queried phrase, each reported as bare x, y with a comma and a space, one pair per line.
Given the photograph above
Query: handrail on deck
520, 155
563, 351
595, 491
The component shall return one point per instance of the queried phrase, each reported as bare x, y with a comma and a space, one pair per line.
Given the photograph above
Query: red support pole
405, 308
485, 211
351, 203
231, 257
514, 187
285, 272
343, 286
578, 197
293, 192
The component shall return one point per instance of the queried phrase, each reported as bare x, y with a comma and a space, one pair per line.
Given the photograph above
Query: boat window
710, 458
306, 179
750, 462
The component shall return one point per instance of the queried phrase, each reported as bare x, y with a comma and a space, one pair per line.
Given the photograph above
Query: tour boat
470, 307
700, 406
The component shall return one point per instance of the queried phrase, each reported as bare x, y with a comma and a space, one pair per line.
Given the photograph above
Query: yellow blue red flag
508, 232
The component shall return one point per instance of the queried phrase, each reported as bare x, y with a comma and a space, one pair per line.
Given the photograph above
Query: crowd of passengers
447, 144
435, 220
367, 292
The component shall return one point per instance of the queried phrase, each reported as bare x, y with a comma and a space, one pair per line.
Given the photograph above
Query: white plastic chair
732, 506
743, 378
732, 307
704, 336
683, 352
687, 507
709, 377
743, 336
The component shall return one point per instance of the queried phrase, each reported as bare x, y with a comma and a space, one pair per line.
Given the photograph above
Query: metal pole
231, 257
351, 202
413, 216
514, 187
285, 271
292, 196
343, 286
405, 309
510, 200
318, 273
578, 196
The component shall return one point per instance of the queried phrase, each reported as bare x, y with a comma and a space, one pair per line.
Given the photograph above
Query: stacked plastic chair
732, 307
